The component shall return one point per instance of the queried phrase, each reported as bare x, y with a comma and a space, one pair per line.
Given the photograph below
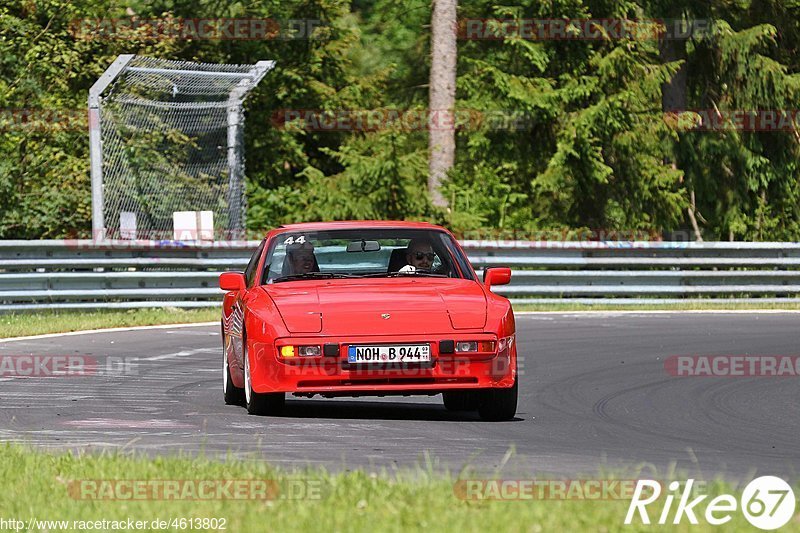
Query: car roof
360, 224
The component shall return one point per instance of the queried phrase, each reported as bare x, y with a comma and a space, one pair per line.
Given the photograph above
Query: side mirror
496, 276
232, 281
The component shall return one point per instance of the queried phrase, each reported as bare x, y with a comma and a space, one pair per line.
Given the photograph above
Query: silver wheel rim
247, 392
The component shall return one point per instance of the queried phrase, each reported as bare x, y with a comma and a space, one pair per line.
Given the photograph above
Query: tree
586, 144
442, 140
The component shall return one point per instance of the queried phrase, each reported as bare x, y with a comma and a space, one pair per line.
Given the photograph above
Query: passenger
301, 258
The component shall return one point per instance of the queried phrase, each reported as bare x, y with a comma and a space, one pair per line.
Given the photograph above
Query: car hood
380, 307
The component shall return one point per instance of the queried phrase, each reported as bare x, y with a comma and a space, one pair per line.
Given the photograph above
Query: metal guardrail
81, 274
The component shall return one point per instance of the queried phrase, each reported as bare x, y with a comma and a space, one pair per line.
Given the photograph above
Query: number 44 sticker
291, 240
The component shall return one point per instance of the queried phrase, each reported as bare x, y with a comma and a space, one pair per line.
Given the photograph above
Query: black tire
266, 404
259, 403
461, 400
233, 395
499, 404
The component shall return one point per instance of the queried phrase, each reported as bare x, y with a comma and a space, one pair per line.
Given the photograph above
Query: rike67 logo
767, 502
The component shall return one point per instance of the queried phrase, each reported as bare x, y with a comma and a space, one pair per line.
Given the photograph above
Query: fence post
95, 146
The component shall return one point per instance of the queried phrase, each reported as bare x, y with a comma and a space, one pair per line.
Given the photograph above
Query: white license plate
401, 353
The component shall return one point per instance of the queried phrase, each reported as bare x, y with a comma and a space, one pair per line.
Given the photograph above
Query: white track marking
114, 423
182, 353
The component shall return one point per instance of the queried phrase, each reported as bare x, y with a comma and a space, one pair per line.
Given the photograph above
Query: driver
301, 258
419, 254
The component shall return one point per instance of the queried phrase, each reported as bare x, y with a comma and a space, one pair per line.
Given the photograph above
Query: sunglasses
420, 255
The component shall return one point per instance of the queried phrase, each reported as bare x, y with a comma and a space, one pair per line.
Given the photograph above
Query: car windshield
351, 253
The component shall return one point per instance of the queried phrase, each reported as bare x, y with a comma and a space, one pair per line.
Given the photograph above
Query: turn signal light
287, 351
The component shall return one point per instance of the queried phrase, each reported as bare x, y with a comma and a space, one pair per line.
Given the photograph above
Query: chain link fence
170, 140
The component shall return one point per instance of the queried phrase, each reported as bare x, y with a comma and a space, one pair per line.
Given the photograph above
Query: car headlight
309, 351
466, 346
301, 351
475, 346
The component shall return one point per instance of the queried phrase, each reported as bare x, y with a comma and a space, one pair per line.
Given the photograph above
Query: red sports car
367, 309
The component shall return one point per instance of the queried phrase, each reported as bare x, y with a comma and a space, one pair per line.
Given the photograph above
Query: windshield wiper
313, 275
404, 274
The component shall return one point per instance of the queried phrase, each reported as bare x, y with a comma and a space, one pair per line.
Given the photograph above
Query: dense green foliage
589, 146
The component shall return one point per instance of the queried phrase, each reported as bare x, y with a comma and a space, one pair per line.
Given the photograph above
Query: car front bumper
333, 375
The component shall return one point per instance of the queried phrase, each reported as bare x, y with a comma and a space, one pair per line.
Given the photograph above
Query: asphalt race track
594, 395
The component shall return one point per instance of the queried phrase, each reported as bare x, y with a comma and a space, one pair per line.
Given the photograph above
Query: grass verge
22, 324
39, 487
711, 306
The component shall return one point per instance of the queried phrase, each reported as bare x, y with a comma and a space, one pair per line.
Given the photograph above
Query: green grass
21, 324
36, 486
710, 306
